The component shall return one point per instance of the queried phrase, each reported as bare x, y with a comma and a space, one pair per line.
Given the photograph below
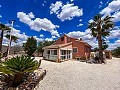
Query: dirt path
75, 75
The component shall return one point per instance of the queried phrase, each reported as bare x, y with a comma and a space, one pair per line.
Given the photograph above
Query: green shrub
30, 46
17, 67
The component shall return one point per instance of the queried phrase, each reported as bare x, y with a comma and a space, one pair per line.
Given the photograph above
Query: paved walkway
75, 75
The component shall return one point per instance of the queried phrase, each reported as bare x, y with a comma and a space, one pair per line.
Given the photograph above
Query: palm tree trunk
1, 39
100, 49
18, 79
9, 46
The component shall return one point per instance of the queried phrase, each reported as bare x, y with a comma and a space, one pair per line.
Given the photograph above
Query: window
48, 52
62, 38
53, 52
75, 50
63, 52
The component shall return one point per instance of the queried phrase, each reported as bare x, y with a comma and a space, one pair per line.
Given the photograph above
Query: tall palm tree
100, 28
3, 28
13, 38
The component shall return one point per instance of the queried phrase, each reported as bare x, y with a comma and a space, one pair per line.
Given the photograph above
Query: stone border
31, 82
35, 79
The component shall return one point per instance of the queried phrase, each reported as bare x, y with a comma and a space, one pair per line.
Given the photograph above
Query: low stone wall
31, 82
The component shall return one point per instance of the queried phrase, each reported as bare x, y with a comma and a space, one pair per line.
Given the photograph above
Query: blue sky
49, 19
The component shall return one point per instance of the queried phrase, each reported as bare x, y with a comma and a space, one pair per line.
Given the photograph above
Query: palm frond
19, 65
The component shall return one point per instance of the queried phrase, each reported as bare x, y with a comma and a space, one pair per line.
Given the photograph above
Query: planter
31, 82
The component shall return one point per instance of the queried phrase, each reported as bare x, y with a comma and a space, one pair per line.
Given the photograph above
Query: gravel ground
75, 75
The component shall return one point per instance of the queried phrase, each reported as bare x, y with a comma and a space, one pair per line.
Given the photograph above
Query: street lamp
11, 25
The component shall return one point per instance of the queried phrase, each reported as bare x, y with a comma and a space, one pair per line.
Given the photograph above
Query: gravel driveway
75, 75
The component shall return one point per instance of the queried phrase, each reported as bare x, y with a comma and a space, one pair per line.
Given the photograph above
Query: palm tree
13, 38
2, 28
100, 28
17, 67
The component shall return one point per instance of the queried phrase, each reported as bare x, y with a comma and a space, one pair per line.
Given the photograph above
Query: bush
30, 46
16, 68
116, 52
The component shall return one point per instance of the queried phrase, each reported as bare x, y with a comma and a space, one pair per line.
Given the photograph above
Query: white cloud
48, 39
80, 20
37, 24
69, 11
65, 12
41, 35
115, 33
55, 7
117, 41
55, 33
91, 20
43, 4
23, 17
80, 25
112, 7
38, 39
22, 37
42, 24
0, 6
71, 0
53, 37
17, 26
101, 3
0, 16
31, 15
45, 1
78, 34
113, 45
116, 17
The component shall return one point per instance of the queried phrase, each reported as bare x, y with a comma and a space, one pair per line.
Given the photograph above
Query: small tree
39, 48
43, 44
116, 52
30, 46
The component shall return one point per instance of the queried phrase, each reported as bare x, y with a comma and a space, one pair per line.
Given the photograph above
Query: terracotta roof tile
57, 46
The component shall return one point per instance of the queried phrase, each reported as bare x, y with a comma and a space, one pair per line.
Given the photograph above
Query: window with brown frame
75, 50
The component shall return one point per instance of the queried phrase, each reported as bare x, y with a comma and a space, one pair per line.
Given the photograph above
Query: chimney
80, 39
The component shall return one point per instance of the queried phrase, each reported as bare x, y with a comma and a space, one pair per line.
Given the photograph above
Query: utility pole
11, 25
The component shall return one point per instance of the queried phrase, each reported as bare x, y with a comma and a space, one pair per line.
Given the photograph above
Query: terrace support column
71, 55
58, 55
